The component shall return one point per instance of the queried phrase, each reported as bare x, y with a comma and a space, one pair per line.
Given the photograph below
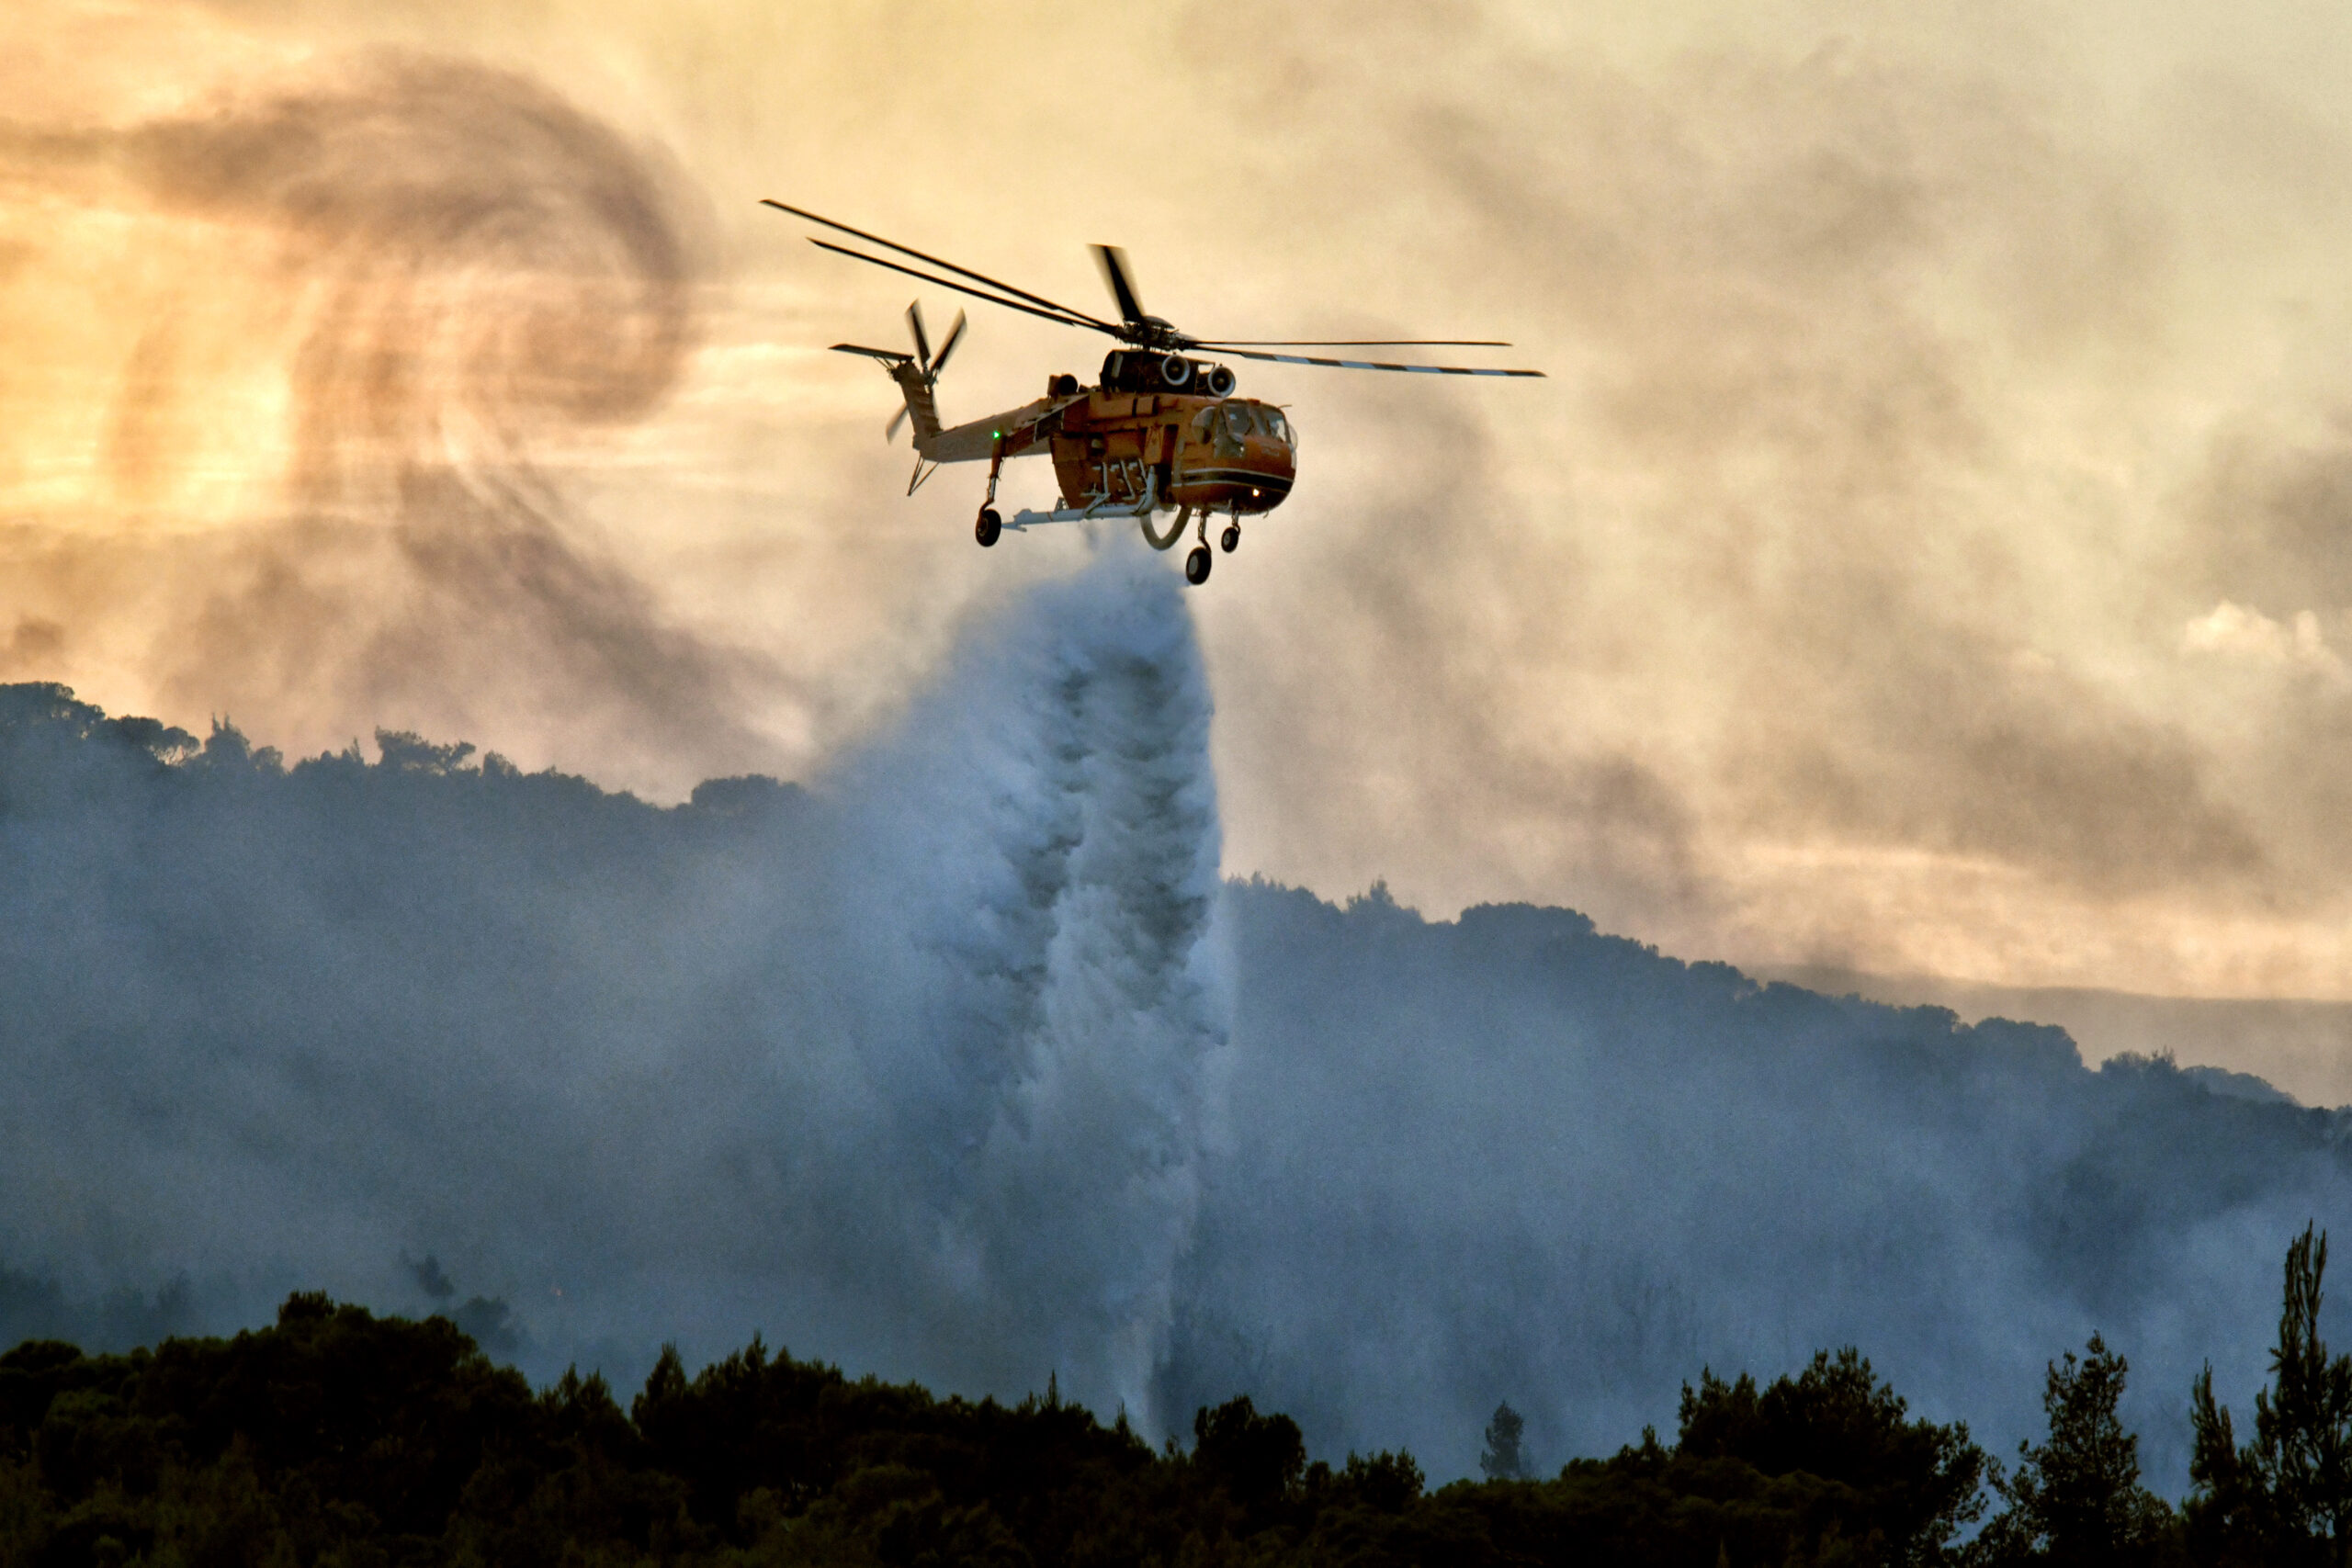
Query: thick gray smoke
960, 1064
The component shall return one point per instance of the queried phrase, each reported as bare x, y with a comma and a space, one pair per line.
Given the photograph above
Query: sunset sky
1930, 554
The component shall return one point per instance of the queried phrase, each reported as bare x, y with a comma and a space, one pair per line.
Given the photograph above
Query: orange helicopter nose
1238, 455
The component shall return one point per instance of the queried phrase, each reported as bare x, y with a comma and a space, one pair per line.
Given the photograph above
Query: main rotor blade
1114, 263
1373, 365
1072, 320
954, 336
1350, 343
922, 340
958, 271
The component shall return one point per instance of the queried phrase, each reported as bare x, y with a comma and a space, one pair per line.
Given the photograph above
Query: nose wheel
1196, 565
989, 528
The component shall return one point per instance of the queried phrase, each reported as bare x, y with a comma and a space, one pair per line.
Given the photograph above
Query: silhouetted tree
1258, 1459
2227, 1511
1501, 1460
1387, 1482
338, 1437
404, 751
1913, 1483
2287, 1495
2077, 1499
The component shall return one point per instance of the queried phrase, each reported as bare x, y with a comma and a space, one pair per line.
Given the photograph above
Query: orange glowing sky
1932, 552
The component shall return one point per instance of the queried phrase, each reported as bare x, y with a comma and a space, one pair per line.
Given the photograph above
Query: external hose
1175, 529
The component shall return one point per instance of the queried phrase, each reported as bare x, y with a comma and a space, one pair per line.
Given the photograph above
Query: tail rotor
954, 336
930, 365
923, 339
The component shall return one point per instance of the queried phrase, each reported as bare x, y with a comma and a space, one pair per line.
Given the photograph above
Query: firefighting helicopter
1162, 431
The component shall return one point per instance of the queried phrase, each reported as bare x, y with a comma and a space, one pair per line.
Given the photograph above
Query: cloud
2232, 631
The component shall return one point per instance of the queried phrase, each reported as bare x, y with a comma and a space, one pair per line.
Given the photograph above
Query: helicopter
1161, 431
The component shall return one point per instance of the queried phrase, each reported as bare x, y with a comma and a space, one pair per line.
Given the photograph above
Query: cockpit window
1230, 422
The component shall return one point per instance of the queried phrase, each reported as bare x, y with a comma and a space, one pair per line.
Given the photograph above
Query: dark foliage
340, 1438
2286, 1496
2077, 1499
1257, 1459
1832, 1450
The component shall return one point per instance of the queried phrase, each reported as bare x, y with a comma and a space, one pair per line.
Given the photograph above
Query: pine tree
2282, 1494
2077, 1499
1501, 1460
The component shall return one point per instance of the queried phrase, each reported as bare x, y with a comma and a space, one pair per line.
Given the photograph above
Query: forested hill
958, 1066
1604, 1166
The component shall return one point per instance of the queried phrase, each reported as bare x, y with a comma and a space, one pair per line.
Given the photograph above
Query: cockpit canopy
1236, 418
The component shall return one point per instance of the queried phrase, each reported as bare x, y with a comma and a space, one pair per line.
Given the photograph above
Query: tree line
338, 1437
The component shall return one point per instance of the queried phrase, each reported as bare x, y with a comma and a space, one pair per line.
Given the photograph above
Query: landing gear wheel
1231, 538
1196, 565
989, 527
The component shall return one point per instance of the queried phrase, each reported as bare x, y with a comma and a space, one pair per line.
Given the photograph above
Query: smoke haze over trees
959, 1063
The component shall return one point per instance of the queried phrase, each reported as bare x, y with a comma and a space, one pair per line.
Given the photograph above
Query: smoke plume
465, 278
